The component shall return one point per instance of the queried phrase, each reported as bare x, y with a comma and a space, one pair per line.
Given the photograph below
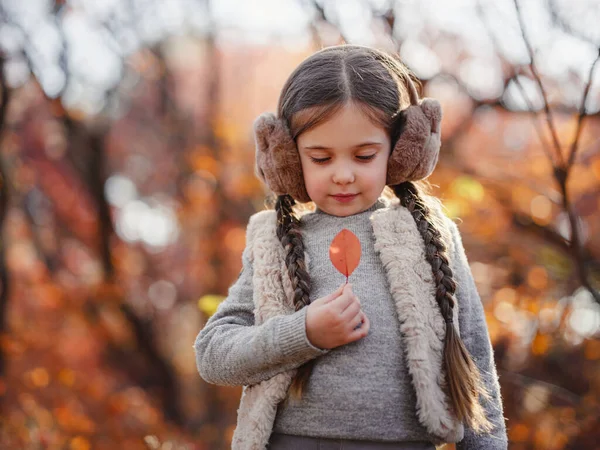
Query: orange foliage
76, 376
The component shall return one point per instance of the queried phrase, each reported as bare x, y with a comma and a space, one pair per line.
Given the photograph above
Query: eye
319, 160
366, 157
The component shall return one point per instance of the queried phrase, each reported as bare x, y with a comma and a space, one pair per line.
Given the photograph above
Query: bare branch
558, 19
525, 381
538, 128
321, 18
576, 247
561, 171
582, 112
537, 77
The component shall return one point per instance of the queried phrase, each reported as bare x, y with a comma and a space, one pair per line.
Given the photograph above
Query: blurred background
126, 182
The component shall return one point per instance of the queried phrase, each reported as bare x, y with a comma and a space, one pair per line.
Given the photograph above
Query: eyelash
324, 160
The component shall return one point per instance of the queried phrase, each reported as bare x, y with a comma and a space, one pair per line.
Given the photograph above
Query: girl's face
344, 161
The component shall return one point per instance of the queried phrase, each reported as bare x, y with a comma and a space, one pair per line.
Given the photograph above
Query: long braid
288, 232
463, 378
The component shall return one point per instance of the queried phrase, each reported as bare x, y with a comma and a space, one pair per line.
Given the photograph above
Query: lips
344, 197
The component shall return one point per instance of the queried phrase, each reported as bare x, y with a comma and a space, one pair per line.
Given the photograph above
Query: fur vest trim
402, 252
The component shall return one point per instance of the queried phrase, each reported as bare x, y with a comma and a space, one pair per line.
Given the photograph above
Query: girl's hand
332, 321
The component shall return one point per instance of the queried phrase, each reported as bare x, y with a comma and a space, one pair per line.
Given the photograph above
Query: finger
351, 292
347, 292
335, 294
342, 302
358, 320
361, 332
348, 289
351, 314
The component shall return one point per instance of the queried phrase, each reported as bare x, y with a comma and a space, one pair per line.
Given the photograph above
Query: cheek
310, 177
313, 181
383, 169
378, 172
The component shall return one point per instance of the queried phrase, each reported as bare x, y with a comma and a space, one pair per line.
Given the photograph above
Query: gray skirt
279, 441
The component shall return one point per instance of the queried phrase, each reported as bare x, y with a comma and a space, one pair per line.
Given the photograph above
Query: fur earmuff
416, 151
277, 159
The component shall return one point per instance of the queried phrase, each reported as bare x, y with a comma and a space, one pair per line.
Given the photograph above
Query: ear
416, 151
277, 160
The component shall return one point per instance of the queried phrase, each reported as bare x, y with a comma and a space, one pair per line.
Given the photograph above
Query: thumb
335, 294
350, 292
348, 288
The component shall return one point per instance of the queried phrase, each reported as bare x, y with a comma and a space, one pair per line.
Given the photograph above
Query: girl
400, 358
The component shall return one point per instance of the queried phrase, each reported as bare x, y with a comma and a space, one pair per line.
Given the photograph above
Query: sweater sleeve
232, 351
474, 334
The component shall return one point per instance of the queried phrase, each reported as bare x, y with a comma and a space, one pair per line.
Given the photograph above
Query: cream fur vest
402, 252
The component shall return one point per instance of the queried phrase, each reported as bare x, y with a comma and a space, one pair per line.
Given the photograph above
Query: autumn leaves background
127, 179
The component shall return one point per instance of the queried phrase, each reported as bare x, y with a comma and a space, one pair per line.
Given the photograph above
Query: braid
463, 378
288, 232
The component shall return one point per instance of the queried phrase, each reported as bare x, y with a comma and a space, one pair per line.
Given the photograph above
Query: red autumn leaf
344, 252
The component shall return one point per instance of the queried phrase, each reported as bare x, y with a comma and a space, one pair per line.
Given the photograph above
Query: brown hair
376, 83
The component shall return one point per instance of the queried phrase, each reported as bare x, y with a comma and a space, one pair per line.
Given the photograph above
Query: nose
343, 175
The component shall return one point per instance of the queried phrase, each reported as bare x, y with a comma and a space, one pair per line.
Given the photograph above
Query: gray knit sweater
361, 390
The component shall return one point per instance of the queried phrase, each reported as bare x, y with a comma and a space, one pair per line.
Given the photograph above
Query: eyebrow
362, 145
